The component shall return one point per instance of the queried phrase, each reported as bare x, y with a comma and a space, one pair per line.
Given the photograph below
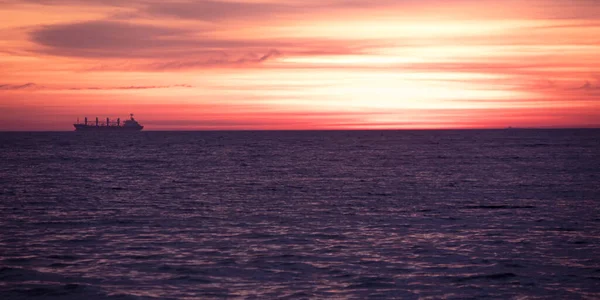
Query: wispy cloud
118, 39
171, 47
220, 60
588, 86
135, 87
208, 10
26, 86
35, 87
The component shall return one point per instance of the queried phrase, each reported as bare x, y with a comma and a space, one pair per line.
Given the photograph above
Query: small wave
19, 260
594, 278
192, 279
563, 229
62, 256
386, 194
371, 282
513, 265
289, 256
59, 265
580, 242
181, 270
145, 257
537, 145
8, 274
298, 295
188, 270
328, 236
58, 291
498, 206
495, 276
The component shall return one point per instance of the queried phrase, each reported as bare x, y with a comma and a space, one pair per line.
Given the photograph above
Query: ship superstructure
128, 125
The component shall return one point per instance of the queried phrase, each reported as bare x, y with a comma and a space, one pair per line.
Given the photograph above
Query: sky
300, 64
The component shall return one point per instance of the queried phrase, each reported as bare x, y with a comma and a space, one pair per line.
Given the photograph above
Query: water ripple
288, 215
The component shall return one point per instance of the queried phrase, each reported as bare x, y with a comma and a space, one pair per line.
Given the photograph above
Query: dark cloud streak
218, 10
26, 86
107, 39
33, 86
171, 48
112, 39
135, 87
249, 58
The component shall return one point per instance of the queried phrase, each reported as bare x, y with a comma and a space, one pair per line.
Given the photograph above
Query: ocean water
494, 214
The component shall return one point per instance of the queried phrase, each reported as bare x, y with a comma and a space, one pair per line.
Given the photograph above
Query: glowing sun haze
300, 64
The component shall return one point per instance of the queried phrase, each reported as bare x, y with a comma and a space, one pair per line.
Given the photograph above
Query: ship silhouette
128, 125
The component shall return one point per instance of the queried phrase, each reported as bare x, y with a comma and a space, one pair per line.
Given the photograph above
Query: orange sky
300, 64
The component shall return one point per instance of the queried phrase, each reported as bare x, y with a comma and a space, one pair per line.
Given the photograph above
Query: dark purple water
262, 215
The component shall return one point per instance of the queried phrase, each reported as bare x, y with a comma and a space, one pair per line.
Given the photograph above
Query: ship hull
83, 127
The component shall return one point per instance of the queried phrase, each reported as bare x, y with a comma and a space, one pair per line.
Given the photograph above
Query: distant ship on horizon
128, 125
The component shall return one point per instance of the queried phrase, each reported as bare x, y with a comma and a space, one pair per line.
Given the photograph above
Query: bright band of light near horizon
327, 64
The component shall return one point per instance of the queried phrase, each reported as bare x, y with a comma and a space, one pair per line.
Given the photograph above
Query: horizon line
324, 129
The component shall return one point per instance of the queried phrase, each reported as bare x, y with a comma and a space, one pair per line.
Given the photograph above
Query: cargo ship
128, 125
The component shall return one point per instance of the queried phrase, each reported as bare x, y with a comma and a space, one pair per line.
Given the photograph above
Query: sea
424, 214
